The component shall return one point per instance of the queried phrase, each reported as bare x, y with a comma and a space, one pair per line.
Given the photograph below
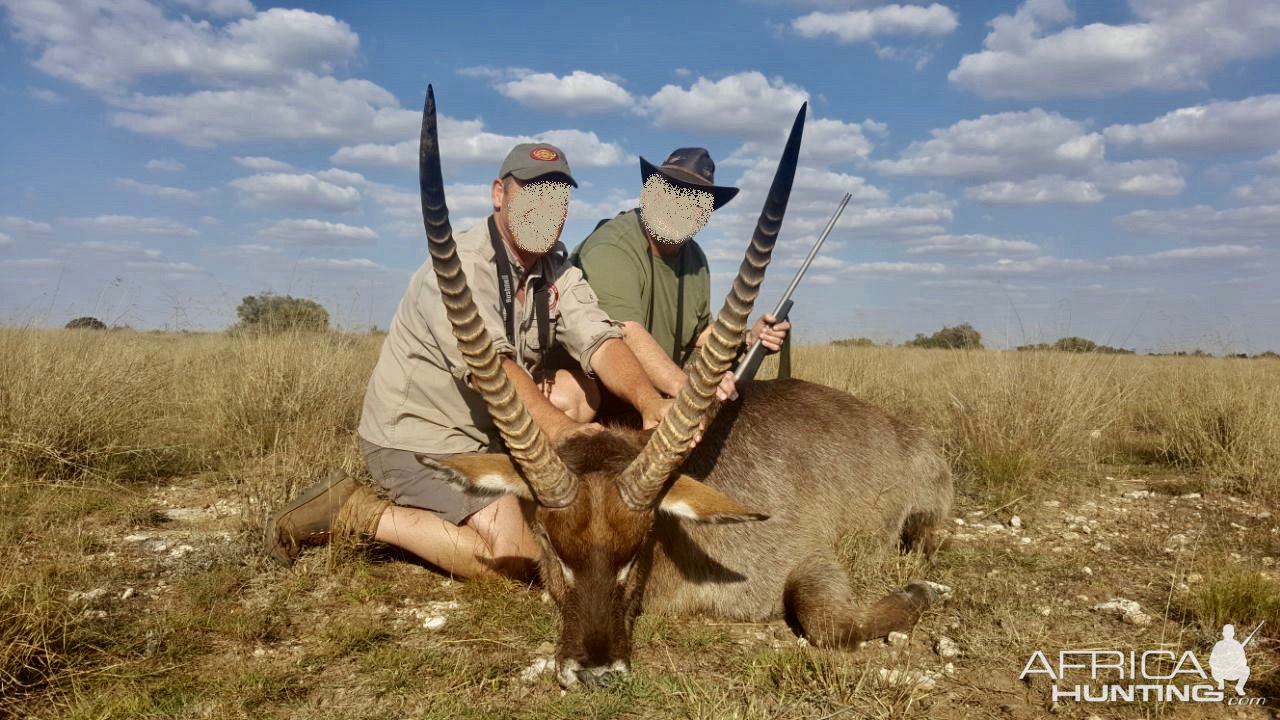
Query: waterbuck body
821, 464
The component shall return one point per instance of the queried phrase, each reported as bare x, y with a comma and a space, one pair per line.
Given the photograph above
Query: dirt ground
202, 626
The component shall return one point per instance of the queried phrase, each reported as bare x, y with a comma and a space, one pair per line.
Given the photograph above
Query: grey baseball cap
527, 161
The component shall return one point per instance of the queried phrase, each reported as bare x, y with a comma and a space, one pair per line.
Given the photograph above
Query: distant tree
957, 337
1270, 354
854, 342
86, 323
267, 312
1075, 344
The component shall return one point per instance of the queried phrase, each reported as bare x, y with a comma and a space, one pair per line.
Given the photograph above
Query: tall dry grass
275, 412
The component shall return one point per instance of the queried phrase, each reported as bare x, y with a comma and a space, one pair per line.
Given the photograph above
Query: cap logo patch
546, 154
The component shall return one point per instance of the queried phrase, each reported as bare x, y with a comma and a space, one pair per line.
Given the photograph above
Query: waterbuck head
597, 494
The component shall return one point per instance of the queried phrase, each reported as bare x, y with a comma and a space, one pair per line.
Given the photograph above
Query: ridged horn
552, 483
642, 482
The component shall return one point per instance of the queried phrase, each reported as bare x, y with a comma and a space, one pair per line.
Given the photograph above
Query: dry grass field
136, 471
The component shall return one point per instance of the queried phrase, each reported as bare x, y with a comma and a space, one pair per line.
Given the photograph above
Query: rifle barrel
813, 252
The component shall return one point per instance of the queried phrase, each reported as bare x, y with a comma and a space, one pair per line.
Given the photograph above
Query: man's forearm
547, 416
665, 375
620, 371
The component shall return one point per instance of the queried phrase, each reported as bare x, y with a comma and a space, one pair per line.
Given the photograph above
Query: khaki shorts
405, 481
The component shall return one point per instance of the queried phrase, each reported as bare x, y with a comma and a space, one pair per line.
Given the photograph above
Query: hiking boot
358, 519
312, 517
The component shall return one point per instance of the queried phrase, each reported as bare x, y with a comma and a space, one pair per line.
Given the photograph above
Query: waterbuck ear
482, 474
692, 500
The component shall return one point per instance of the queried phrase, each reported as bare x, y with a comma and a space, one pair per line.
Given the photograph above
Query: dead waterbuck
744, 527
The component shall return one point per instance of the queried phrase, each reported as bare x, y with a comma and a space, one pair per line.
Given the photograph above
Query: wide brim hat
691, 168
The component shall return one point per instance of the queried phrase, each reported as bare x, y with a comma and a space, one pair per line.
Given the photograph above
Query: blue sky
1038, 169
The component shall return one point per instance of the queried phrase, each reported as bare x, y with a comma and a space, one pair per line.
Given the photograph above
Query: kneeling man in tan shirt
554, 341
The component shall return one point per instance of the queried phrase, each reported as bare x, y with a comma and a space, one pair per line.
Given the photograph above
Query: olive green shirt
633, 284
419, 397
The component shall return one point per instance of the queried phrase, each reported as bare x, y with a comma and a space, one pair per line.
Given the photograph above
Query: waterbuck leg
920, 532
818, 606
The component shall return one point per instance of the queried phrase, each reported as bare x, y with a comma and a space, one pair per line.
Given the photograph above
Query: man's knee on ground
576, 395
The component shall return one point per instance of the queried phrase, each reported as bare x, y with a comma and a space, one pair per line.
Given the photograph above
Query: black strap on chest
677, 349
507, 293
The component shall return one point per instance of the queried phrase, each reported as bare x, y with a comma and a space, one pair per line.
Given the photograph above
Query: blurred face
533, 212
673, 214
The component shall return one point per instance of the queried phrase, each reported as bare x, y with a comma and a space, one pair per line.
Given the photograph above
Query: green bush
86, 323
959, 337
271, 313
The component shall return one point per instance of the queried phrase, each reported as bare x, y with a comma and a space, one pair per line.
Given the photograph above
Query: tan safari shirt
418, 398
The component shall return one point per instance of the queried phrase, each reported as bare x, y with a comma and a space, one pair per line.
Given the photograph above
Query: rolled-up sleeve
582, 326
483, 281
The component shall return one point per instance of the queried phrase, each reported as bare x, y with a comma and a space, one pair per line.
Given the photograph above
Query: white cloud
118, 248
577, 92
1171, 46
1161, 178
1261, 222
218, 8
30, 262
317, 233
1003, 145
163, 192
969, 245
106, 47
1261, 191
305, 107
295, 191
746, 104
5, 240
168, 268
826, 142
131, 225
45, 95
165, 164
26, 228
1037, 190
1168, 258
364, 264
468, 142
895, 268
1033, 157
262, 164
1223, 126
855, 26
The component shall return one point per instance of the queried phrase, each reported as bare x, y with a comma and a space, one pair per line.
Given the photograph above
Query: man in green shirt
650, 274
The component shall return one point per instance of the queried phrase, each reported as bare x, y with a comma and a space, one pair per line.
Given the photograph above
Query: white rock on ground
1015, 521
539, 666
923, 680
897, 638
946, 647
1127, 610
435, 622
87, 596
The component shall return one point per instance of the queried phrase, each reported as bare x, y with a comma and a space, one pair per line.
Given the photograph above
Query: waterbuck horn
644, 479
552, 483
